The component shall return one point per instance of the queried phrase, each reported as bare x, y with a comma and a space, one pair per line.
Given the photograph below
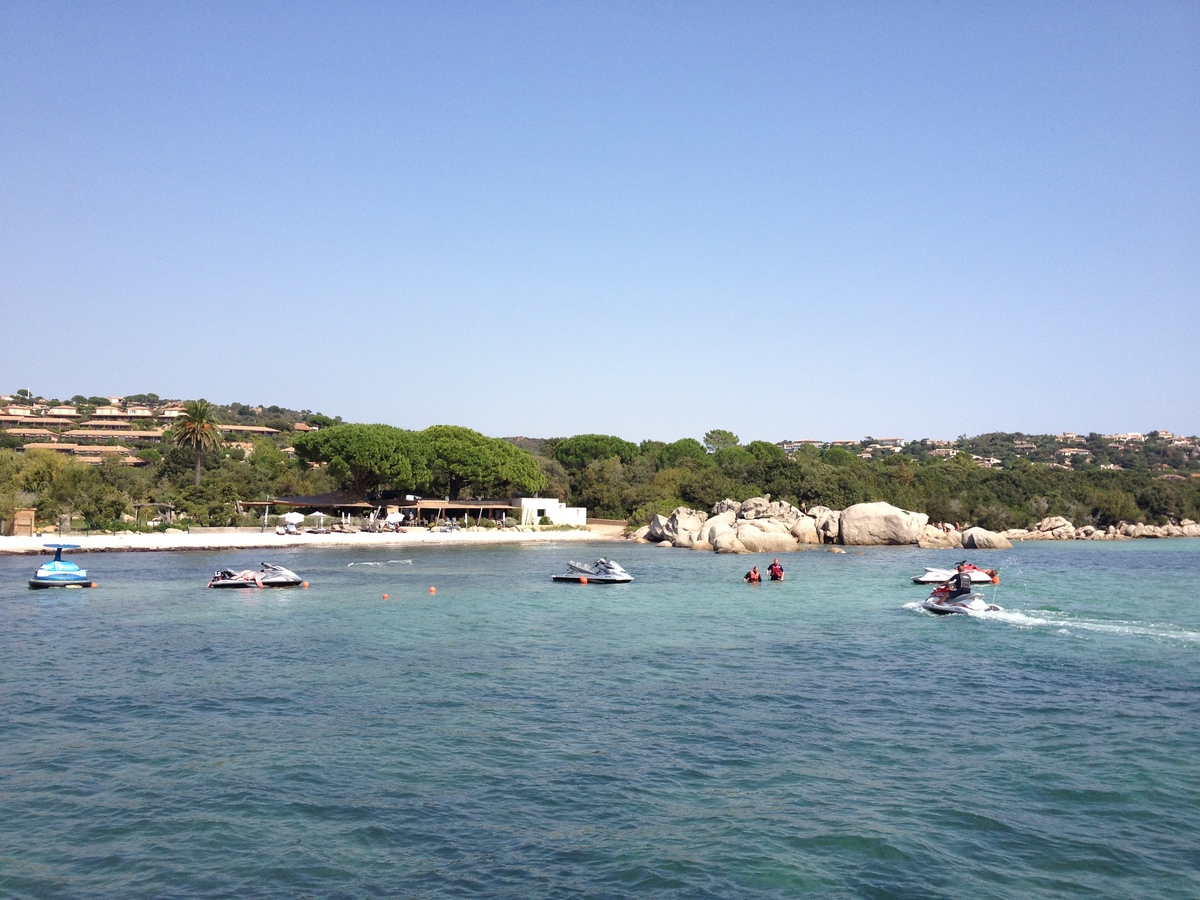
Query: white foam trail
398, 562
1020, 619
1069, 626
1153, 630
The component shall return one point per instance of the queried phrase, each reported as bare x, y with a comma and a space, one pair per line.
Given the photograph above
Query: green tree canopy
685, 448
766, 452
459, 458
601, 488
720, 439
576, 453
39, 469
558, 482
838, 456
197, 430
737, 463
367, 457
703, 486
650, 448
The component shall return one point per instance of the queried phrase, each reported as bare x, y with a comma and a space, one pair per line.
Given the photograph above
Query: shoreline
129, 542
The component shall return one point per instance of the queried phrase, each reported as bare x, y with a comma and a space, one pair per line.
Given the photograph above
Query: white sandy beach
252, 540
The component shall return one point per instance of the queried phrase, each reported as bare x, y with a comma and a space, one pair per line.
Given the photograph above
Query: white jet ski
941, 576
941, 605
270, 576
602, 571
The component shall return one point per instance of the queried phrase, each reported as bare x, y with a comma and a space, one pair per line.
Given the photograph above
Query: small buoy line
432, 591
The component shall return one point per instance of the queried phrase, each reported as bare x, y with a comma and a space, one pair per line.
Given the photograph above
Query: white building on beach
533, 508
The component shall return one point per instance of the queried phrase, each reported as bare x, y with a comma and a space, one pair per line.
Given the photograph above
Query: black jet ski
942, 605
602, 571
270, 576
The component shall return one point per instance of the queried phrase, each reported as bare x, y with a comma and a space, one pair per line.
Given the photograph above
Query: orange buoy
385, 596
583, 580
93, 584
304, 584
432, 589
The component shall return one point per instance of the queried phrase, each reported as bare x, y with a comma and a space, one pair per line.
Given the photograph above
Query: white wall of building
533, 508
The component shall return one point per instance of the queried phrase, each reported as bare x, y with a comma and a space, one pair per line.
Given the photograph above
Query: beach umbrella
319, 516
393, 518
293, 518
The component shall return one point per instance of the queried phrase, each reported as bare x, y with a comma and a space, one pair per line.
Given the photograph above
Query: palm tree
197, 428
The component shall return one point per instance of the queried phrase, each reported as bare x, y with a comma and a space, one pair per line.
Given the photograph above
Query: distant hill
533, 445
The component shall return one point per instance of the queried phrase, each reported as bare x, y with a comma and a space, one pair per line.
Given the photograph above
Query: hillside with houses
112, 462
1170, 456
93, 429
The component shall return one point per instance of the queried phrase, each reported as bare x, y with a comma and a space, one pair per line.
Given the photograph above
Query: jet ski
940, 576
602, 571
270, 576
963, 603
60, 572
940, 603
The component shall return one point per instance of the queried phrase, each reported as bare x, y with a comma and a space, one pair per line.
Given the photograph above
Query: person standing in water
752, 577
775, 570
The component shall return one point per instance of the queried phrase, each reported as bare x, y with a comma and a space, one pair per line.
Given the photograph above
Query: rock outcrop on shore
1056, 528
761, 525
871, 524
982, 539
935, 538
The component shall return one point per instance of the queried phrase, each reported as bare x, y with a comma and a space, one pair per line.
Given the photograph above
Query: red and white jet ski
940, 576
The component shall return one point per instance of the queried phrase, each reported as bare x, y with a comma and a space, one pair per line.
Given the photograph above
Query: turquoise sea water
685, 735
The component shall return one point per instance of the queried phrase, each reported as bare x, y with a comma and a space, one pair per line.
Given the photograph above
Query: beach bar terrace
526, 510
421, 511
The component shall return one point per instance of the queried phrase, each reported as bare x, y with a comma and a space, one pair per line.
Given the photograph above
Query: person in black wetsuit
775, 570
752, 577
960, 584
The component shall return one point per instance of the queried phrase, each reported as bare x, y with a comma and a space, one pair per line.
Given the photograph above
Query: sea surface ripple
685, 735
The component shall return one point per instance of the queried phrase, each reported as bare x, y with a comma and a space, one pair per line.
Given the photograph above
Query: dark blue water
686, 735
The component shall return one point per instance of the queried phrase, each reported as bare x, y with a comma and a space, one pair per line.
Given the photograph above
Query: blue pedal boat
60, 572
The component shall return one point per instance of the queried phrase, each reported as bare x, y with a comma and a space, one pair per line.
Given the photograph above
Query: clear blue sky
649, 219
